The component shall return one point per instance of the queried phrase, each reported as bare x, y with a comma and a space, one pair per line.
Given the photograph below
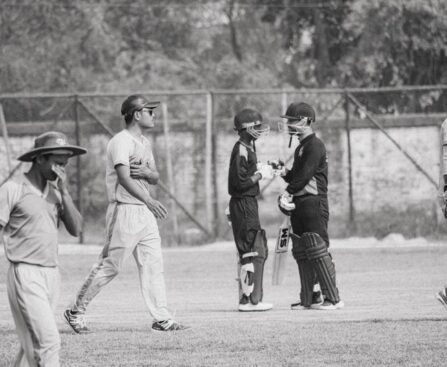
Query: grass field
390, 319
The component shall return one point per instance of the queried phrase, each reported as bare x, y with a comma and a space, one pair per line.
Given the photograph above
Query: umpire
307, 190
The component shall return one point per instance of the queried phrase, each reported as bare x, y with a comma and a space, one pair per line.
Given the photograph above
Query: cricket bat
281, 248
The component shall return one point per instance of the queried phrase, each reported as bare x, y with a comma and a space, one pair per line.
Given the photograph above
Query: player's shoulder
318, 143
314, 143
242, 150
13, 185
123, 137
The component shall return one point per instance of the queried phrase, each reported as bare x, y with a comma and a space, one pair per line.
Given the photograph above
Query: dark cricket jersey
310, 169
242, 166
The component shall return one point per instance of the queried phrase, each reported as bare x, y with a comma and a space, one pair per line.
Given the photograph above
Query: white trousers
33, 292
130, 229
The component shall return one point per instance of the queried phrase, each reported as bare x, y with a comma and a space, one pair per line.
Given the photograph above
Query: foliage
86, 45
396, 43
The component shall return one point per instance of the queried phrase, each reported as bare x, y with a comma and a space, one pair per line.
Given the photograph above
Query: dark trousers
311, 215
244, 222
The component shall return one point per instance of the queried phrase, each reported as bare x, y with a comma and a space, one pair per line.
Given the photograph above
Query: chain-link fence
383, 147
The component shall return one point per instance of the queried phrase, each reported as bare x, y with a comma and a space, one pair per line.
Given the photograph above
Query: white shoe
327, 306
250, 307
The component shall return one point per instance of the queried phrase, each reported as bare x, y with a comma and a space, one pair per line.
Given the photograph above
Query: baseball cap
137, 102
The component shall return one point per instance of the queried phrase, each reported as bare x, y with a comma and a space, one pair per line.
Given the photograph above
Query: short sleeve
119, 151
9, 195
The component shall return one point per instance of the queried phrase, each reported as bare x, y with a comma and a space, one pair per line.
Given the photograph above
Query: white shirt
121, 149
30, 219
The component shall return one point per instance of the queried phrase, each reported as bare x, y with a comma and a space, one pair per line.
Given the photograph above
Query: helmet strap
290, 141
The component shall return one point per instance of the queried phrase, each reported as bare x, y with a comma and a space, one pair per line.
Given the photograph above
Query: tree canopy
87, 45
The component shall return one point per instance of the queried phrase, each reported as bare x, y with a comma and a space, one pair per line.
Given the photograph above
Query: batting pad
260, 247
247, 271
318, 255
305, 270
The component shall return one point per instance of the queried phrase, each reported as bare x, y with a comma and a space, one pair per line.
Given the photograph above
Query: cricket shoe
76, 321
316, 300
168, 325
441, 296
328, 305
250, 307
298, 306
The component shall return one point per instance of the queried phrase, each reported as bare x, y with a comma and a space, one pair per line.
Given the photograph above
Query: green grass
391, 317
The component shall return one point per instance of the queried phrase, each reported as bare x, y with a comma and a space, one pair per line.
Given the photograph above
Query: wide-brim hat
52, 142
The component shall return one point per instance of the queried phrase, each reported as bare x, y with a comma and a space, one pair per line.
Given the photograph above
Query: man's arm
125, 180
144, 171
243, 179
304, 170
69, 214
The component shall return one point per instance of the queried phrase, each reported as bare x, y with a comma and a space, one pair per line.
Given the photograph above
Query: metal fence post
208, 162
78, 166
352, 224
170, 170
215, 197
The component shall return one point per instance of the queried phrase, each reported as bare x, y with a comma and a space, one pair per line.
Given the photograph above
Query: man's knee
298, 250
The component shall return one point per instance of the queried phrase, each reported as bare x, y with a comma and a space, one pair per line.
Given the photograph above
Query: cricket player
131, 220
307, 194
243, 186
31, 208
441, 296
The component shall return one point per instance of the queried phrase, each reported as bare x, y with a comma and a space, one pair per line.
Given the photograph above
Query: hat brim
71, 150
289, 117
292, 117
151, 105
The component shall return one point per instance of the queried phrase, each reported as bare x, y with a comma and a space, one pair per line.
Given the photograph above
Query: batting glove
286, 202
265, 170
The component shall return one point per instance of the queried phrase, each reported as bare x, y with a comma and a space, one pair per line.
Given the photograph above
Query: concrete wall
390, 195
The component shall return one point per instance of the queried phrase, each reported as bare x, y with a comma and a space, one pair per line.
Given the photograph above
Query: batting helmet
250, 120
136, 102
299, 110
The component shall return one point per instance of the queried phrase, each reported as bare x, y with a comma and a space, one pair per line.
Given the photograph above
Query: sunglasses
148, 110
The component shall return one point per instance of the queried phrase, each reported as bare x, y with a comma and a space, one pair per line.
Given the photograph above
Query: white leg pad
247, 272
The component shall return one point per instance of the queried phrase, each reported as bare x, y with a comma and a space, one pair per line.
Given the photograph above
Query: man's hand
140, 170
265, 170
279, 168
157, 209
61, 178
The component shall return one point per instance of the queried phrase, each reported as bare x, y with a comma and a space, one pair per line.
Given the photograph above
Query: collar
248, 146
307, 138
34, 189
140, 140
